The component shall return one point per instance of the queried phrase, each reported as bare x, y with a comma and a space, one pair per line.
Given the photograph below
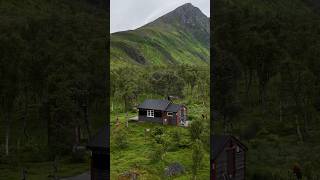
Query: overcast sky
131, 14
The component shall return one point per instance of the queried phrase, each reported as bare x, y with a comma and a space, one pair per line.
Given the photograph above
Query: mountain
179, 37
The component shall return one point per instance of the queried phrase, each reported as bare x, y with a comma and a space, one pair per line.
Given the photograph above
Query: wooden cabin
162, 111
99, 160
228, 158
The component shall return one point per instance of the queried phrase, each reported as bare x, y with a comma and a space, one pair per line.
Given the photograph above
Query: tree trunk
77, 135
305, 123
86, 120
280, 113
298, 129
249, 83
7, 135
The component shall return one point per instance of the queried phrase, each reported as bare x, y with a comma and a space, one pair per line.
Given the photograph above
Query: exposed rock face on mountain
181, 36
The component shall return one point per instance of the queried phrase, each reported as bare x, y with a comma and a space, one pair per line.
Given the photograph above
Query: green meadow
137, 156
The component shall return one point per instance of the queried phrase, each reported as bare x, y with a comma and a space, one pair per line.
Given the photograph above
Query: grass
172, 42
136, 155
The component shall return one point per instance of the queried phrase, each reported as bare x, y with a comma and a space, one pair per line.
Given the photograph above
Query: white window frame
169, 113
150, 113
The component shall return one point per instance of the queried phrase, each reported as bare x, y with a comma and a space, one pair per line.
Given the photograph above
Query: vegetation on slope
130, 86
180, 37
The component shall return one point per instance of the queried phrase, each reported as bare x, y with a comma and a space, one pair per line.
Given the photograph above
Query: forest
265, 78
52, 85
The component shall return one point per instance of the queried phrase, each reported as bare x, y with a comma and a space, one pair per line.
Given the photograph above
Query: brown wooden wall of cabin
171, 120
221, 164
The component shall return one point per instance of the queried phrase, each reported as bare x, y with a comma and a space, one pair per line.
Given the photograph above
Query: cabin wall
221, 164
240, 164
156, 119
171, 120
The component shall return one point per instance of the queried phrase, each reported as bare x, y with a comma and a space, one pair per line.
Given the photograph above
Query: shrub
197, 156
157, 131
176, 136
120, 138
156, 154
196, 129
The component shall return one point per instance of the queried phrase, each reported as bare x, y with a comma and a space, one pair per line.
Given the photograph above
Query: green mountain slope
179, 37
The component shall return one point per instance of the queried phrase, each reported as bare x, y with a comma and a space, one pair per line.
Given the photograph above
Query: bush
175, 136
158, 139
197, 157
260, 174
120, 138
78, 156
196, 129
250, 131
156, 154
157, 131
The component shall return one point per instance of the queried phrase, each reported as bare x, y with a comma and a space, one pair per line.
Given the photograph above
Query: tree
120, 138
196, 129
197, 157
225, 77
166, 82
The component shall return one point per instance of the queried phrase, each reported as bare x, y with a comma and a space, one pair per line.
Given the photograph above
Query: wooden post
127, 120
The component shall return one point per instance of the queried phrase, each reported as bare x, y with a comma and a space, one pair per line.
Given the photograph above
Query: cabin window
169, 113
150, 113
238, 149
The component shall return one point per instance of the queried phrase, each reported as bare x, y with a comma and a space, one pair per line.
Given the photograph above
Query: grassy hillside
138, 154
164, 41
266, 77
130, 149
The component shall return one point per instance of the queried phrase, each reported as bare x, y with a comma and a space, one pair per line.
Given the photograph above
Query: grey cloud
131, 14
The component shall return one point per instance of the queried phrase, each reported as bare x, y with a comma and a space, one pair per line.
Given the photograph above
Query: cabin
99, 160
228, 158
162, 111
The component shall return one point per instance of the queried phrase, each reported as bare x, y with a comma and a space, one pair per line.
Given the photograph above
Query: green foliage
265, 79
52, 72
197, 157
157, 154
176, 136
196, 129
157, 131
130, 85
120, 138
170, 82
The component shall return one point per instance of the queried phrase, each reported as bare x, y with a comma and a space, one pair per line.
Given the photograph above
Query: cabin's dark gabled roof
218, 142
155, 104
100, 140
174, 107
